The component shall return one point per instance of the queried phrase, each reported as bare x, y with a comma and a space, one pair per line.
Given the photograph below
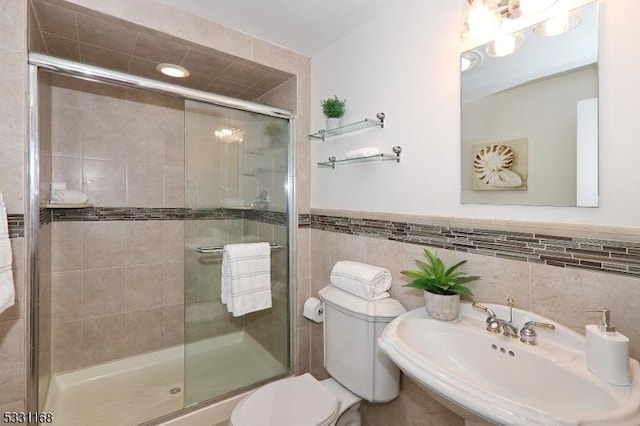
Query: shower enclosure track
92, 73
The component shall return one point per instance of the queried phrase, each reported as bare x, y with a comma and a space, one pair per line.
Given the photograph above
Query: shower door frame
36, 62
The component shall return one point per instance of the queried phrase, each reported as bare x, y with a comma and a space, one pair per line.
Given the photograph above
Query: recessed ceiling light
173, 70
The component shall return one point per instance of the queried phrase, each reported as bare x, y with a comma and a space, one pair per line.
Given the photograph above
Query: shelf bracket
397, 150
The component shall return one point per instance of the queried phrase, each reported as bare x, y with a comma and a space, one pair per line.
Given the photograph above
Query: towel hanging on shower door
246, 277
7, 291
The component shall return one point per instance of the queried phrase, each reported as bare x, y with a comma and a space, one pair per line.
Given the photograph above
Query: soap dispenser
607, 351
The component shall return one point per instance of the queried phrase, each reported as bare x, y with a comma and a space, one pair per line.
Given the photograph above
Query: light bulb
481, 18
505, 44
558, 24
173, 70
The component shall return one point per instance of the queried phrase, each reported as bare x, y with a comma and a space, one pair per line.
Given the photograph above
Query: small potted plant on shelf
442, 285
333, 109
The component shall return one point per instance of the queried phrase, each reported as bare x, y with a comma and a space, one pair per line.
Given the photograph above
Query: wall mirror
529, 126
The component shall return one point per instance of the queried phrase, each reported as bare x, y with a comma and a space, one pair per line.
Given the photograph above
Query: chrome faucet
510, 330
529, 336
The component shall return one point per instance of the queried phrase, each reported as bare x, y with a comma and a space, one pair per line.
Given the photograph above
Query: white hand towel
246, 277
366, 281
68, 196
7, 291
362, 152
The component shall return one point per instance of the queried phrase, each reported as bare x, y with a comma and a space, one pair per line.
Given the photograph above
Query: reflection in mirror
529, 125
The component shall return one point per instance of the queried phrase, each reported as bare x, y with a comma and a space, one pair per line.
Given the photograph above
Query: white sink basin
487, 377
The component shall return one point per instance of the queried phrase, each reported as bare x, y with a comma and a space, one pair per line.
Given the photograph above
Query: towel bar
220, 249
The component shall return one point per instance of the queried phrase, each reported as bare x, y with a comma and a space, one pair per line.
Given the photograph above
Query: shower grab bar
220, 249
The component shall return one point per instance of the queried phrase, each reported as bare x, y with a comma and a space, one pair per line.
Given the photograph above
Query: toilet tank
352, 326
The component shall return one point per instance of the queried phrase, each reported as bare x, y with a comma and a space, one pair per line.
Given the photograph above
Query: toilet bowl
298, 401
358, 368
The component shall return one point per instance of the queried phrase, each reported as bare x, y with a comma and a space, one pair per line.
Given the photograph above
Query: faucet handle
491, 315
479, 306
528, 334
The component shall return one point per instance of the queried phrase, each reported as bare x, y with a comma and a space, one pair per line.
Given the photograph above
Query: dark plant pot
441, 306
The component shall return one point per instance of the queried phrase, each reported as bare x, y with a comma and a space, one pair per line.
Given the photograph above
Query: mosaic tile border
16, 225
95, 214
611, 256
304, 220
147, 213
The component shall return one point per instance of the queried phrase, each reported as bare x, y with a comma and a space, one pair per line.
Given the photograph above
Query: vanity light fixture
505, 44
173, 70
559, 24
483, 16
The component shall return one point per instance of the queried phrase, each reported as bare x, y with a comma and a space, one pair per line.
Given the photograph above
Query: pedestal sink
489, 378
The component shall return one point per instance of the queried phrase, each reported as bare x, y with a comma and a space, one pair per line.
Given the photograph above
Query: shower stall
126, 308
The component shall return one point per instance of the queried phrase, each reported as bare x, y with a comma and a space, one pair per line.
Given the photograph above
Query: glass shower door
236, 192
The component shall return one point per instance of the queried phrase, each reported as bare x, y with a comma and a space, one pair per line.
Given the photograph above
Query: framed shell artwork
499, 166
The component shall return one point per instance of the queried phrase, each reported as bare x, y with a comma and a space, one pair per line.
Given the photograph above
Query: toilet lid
294, 401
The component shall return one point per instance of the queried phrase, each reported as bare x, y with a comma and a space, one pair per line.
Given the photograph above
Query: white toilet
359, 370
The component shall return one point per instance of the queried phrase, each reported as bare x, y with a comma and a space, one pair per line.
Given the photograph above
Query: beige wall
117, 290
122, 147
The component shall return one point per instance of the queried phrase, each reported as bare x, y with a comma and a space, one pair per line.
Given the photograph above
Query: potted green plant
442, 285
333, 109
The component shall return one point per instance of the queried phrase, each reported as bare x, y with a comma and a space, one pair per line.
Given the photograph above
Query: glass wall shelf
352, 127
333, 162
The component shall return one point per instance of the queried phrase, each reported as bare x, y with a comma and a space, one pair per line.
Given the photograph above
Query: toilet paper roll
313, 309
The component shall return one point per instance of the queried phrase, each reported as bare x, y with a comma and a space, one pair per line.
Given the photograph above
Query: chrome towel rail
220, 249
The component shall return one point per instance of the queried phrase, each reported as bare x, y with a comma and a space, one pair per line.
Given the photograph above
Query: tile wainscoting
513, 261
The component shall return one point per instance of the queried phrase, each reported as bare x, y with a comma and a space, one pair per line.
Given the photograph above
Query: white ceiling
304, 26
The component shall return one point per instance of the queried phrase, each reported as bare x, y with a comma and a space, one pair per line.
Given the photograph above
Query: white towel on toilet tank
366, 281
7, 291
246, 277
68, 196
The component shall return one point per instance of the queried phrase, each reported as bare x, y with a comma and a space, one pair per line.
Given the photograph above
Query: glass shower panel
236, 192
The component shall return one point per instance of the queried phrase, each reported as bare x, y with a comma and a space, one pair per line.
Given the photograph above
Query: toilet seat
294, 401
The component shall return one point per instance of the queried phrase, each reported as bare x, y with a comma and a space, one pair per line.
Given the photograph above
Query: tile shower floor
138, 389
